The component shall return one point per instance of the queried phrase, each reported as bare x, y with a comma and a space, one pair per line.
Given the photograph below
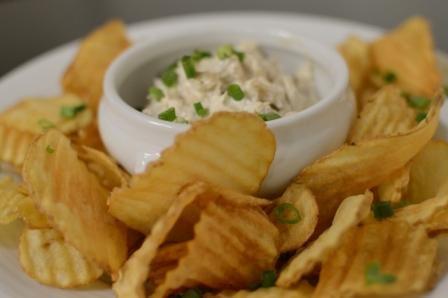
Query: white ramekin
135, 139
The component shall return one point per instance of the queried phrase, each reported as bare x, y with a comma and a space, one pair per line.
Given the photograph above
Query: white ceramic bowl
135, 139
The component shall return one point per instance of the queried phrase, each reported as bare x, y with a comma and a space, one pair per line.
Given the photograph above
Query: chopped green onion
227, 51
417, 102
188, 65
421, 116
390, 77
382, 210
156, 93
269, 116
168, 115
200, 110
268, 279
191, 293
286, 213
198, 55
373, 275
50, 149
234, 91
169, 76
45, 124
70, 112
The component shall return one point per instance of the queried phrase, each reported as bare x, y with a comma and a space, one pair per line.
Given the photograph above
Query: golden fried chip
10, 199
382, 258
74, 200
409, 53
14, 144
89, 136
32, 217
395, 186
356, 53
232, 150
352, 169
103, 167
350, 213
385, 114
47, 258
84, 77
166, 259
294, 235
422, 213
304, 290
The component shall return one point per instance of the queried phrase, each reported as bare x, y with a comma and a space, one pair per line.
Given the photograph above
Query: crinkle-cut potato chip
232, 245
350, 213
166, 260
84, 77
295, 235
393, 189
103, 167
47, 258
303, 290
352, 169
10, 199
396, 248
422, 213
133, 275
409, 52
32, 217
14, 144
74, 200
89, 136
385, 114
232, 150
356, 53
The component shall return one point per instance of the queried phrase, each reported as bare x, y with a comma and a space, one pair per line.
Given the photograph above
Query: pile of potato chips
364, 220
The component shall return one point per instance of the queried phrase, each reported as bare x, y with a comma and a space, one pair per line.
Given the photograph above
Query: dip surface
233, 79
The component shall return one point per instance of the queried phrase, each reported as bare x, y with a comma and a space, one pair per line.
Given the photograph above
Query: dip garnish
70, 112
235, 92
227, 51
269, 116
188, 65
169, 76
200, 110
168, 115
156, 93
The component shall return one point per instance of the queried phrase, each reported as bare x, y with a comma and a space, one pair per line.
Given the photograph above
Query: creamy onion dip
237, 78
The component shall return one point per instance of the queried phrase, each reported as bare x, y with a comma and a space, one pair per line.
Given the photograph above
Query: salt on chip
303, 290
10, 199
295, 235
84, 77
74, 200
393, 189
351, 169
403, 252
409, 53
385, 114
232, 150
350, 213
47, 258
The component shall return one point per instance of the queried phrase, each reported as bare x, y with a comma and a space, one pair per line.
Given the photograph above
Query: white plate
40, 77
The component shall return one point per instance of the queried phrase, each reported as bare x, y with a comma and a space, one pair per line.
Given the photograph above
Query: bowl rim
111, 94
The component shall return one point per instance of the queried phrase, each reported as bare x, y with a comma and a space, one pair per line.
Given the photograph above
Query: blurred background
31, 27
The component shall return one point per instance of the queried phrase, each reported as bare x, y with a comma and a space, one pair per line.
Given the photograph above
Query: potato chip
409, 53
10, 199
295, 235
352, 169
133, 275
232, 150
32, 217
422, 213
350, 213
356, 53
84, 77
103, 167
382, 258
89, 136
386, 114
304, 290
395, 186
47, 258
74, 200
14, 144
166, 259
225, 237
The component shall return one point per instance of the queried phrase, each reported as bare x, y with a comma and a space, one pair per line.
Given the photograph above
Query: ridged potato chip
356, 53
304, 290
166, 259
10, 199
232, 150
352, 169
422, 213
32, 217
385, 114
385, 258
74, 200
14, 144
84, 77
89, 136
393, 189
47, 258
351, 212
294, 235
409, 53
